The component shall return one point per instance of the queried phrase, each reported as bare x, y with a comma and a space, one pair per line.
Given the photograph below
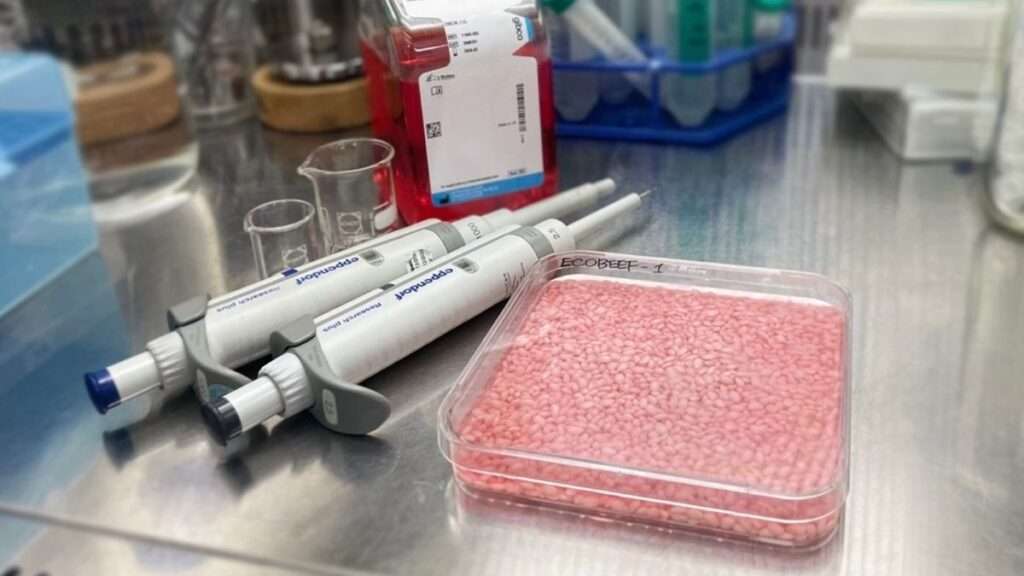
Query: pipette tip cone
222, 421
102, 391
599, 219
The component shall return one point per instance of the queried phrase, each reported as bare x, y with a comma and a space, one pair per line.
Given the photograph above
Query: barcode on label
521, 105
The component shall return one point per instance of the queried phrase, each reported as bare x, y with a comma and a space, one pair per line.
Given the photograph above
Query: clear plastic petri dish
284, 235
691, 395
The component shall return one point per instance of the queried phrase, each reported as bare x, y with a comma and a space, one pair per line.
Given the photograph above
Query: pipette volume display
210, 338
322, 361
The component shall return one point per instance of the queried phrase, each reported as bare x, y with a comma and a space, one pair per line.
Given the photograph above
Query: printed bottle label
481, 112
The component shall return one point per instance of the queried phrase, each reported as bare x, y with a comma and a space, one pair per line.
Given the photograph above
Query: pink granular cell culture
716, 410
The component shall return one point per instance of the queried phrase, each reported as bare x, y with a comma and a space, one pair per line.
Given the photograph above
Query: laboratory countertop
937, 433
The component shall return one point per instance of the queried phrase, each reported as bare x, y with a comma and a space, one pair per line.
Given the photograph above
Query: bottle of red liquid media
462, 89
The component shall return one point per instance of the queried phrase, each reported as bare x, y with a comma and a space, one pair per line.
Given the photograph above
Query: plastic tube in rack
323, 360
588, 20
210, 338
733, 31
685, 28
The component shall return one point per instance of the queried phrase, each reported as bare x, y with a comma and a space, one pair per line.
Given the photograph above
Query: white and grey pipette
322, 361
209, 338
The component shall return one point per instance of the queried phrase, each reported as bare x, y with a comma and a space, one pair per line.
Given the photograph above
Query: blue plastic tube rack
642, 119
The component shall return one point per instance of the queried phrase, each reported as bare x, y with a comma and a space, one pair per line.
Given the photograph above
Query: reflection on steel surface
936, 442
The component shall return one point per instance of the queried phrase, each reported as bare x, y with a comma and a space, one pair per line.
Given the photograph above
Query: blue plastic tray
35, 109
25, 134
644, 120
46, 221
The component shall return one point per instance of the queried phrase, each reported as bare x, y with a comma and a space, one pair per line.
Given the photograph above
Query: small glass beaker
355, 190
283, 234
213, 45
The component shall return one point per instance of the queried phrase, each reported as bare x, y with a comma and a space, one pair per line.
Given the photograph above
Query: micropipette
210, 338
322, 361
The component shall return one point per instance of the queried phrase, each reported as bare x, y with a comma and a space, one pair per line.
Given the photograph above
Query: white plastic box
924, 125
944, 46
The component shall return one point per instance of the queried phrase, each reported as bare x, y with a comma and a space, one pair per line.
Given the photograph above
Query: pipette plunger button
102, 391
221, 420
